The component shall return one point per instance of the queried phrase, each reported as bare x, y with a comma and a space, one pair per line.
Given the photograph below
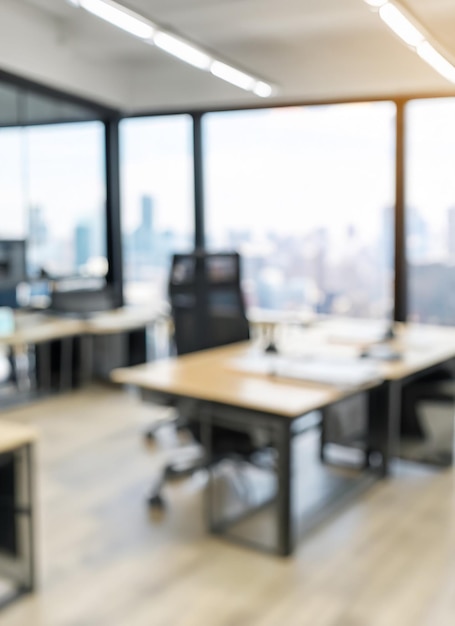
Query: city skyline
302, 190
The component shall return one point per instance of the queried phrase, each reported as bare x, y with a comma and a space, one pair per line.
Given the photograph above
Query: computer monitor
13, 269
71, 298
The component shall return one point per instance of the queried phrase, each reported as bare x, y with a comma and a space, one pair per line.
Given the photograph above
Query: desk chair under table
208, 311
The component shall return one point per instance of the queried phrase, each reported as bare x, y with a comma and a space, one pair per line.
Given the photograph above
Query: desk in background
51, 352
422, 351
425, 353
119, 337
50, 339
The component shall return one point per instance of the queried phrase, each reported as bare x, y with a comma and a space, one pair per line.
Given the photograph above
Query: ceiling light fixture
232, 75
182, 50
119, 16
413, 35
400, 24
376, 3
151, 33
263, 90
429, 54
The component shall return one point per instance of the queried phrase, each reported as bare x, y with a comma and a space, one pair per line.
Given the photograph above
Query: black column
199, 234
113, 223
400, 295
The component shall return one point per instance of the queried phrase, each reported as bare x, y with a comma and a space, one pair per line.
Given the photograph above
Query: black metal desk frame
281, 430
24, 510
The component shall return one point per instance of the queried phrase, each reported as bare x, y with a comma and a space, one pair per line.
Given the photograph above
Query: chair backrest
206, 300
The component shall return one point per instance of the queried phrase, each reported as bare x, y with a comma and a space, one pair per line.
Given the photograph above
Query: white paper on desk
341, 372
360, 334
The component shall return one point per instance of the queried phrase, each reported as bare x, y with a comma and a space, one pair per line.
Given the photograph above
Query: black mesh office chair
207, 308
208, 311
434, 435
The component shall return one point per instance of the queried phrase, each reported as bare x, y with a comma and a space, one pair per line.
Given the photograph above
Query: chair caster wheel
156, 502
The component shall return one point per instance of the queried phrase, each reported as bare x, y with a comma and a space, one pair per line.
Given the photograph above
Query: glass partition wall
53, 194
66, 199
53, 181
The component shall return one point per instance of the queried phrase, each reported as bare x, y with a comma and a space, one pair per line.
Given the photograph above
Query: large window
52, 192
306, 194
157, 200
430, 210
66, 198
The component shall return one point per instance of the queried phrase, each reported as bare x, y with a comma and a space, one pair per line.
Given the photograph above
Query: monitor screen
13, 268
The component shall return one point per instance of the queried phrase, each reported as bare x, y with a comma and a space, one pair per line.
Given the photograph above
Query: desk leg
18, 561
384, 411
43, 366
30, 583
21, 364
286, 540
86, 359
206, 441
66, 363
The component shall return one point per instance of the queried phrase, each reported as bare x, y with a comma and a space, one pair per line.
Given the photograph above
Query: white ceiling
311, 49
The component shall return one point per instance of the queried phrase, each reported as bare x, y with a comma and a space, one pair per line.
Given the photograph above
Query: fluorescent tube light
376, 3
431, 56
411, 34
232, 75
182, 50
135, 24
263, 90
119, 16
400, 24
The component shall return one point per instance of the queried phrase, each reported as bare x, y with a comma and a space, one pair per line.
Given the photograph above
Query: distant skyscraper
82, 244
147, 213
37, 227
142, 243
418, 238
143, 236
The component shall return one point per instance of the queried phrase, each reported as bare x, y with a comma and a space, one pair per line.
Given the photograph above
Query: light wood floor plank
386, 560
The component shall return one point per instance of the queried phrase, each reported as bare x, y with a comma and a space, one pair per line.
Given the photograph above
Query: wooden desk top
209, 375
14, 435
121, 320
34, 328
419, 346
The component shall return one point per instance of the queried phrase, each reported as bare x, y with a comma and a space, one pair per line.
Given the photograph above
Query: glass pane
306, 195
66, 199
9, 110
430, 206
157, 201
13, 223
45, 109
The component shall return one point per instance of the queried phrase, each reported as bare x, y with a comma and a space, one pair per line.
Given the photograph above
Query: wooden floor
389, 559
